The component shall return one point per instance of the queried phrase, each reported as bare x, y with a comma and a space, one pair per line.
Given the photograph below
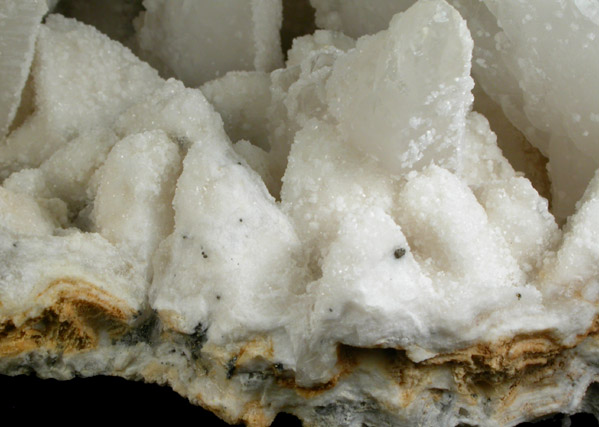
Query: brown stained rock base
72, 323
495, 373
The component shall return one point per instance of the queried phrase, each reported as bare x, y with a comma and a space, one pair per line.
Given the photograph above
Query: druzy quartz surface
398, 225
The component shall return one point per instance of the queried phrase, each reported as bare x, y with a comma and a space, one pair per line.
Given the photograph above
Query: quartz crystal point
340, 238
525, 60
555, 98
410, 86
70, 96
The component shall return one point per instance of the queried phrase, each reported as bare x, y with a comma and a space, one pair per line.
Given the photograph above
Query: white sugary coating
69, 170
258, 160
31, 182
569, 277
242, 99
303, 46
183, 114
231, 247
19, 25
366, 296
470, 258
28, 265
462, 257
401, 225
539, 61
60, 184
298, 93
82, 80
469, 262
449, 232
187, 39
512, 205
268, 110
522, 217
136, 184
410, 86
574, 265
451, 259
325, 182
21, 214
28, 181
482, 161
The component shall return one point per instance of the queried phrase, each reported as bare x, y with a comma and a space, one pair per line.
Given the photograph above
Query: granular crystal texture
343, 238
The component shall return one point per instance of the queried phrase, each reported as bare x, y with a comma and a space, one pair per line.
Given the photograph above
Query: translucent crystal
19, 24
410, 86
188, 40
341, 238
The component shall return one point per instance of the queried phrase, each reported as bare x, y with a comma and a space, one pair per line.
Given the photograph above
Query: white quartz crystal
188, 39
341, 238
132, 207
19, 25
226, 227
242, 99
525, 60
546, 86
76, 90
410, 86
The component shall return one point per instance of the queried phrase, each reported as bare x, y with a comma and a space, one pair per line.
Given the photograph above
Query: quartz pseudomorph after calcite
341, 238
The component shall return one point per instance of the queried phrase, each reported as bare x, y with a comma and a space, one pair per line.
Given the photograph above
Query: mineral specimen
343, 238
196, 40
536, 59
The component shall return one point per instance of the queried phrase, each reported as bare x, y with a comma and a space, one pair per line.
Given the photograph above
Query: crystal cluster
341, 236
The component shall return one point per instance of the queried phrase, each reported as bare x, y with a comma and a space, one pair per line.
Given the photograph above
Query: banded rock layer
342, 238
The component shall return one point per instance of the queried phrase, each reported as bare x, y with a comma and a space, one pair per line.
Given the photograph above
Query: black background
116, 400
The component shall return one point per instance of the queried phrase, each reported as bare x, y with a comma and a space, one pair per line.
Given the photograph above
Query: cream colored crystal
18, 30
341, 238
188, 40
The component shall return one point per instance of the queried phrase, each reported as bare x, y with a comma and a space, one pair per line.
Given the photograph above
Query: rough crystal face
18, 31
191, 41
525, 60
410, 86
344, 237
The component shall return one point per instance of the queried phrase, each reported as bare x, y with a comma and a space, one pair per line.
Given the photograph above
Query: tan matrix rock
343, 238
